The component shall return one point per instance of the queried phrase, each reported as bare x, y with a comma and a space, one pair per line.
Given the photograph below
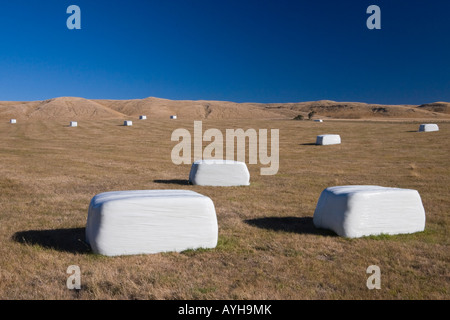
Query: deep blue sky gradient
235, 50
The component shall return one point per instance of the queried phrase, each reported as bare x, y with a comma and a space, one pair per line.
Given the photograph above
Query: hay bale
150, 221
224, 173
73, 124
328, 139
356, 211
13, 121
142, 117
128, 123
428, 127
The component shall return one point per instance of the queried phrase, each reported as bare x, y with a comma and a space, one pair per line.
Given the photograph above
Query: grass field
268, 247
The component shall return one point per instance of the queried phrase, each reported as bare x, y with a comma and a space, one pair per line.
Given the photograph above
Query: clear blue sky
235, 50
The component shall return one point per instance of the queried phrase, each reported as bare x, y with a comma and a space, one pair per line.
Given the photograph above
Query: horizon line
230, 101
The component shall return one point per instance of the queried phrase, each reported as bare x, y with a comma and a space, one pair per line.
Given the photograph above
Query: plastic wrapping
427, 127
225, 173
327, 139
356, 211
150, 221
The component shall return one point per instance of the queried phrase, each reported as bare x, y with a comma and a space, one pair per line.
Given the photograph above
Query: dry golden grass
268, 247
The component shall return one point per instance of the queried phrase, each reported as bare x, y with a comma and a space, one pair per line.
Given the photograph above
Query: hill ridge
77, 108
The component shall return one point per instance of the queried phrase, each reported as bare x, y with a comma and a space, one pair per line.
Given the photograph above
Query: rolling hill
74, 108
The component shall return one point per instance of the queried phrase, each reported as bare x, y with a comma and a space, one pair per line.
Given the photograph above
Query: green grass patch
225, 243
194, 252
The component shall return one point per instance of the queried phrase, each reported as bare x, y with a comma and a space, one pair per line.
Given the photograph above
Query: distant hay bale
173, 117
328, 139
357, 211
128, 123
428, 127
142, 117
150, 221
13, 121
223, 173
73, 124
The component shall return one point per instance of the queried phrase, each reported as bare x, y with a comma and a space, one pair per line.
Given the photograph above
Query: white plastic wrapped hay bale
142, 117
173, 117
357, 211
428, 127
328, 139
150, 221
128, 123
73, 124
13, 121
223, 173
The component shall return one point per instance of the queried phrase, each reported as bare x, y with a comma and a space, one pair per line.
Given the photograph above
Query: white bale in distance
173, 117
428, 127
357, 211
142, 117
219, 173
318, 120
128, 123
73, 124
327, 139
13, 121
150, 221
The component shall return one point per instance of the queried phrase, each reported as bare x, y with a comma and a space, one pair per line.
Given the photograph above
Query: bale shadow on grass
309, 144
66, 240
173, 181
300, 225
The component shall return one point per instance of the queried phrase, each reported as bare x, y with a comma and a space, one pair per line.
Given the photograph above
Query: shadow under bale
308, 144
66, 240
301, 225
173, 181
